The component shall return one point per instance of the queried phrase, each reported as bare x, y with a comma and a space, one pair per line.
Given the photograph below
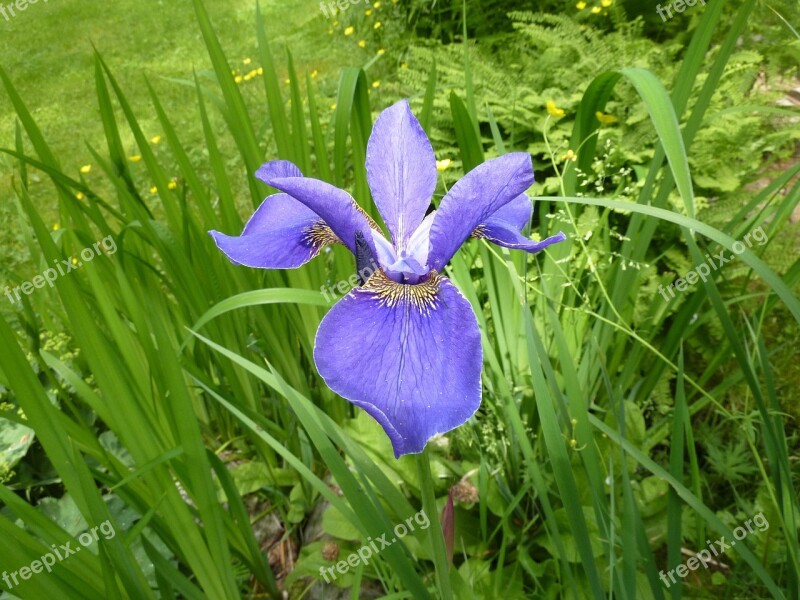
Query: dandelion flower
154, 190
554, 111
172, 184
238, 79
377, 5
349, 30
85, 169
368, 12
377, 25
376, 84
595, 10
606, 3
156, 139
581, 5
381, 52
362, 43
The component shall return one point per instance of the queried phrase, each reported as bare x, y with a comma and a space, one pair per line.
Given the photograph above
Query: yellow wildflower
156, 139
580, 5
154, 190
260, 70
74, 261
368, 12
403, 65
554, 111
362, 43
604, 118
349, 30
606, 3
377, 25
314, 73
238, 79
135, 158
172, 184
377, 5
595, 10
570, 155
80, 196
443, 165
381, 51
56, 226
247, 61
85, 169
376, 84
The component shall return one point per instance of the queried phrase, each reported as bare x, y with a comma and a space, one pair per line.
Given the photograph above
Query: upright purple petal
281, 234
401, 170
334, 206
504, 227
473, 199
410, 355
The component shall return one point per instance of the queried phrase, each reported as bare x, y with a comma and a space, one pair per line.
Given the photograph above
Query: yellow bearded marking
319, 235
479, 232
369, 219
422, 296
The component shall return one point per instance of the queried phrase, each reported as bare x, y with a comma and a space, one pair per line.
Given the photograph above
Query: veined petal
504, 227
503, 235
281, 234
516, 213
335, 207
401, 170
410, 355
473, 199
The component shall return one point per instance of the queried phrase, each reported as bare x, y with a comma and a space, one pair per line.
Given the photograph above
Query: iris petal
473, 199
410, 355
336, 207
281, 234
401, 170
504, 227
503, 235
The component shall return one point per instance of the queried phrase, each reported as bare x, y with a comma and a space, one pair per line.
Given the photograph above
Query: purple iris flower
405, 345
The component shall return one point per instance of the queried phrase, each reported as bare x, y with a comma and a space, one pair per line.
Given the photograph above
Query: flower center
423, 295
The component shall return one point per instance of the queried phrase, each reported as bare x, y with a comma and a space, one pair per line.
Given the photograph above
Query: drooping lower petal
505, 226
410, 355
473, 199
504, 235
335, 207
401, 170
281, 234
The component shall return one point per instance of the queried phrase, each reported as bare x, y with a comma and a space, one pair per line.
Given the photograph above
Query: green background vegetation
174, 394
